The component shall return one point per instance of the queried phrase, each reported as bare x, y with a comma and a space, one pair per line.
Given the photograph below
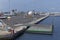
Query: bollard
12, 31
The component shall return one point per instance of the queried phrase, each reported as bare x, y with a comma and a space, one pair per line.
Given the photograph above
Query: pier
21, 23
40, 29
38, 20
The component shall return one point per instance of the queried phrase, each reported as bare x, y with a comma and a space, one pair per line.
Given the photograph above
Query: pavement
21, 19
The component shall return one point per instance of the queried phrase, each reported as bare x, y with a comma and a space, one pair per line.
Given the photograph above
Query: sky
25, 5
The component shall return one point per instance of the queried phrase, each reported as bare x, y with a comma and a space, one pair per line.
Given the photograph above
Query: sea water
56, 32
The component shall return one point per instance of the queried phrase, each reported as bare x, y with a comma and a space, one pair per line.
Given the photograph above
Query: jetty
40, 29
18, 24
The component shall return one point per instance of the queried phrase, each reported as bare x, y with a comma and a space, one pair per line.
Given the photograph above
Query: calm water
55, 36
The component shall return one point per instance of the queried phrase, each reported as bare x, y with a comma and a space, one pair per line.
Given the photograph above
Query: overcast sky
25, 5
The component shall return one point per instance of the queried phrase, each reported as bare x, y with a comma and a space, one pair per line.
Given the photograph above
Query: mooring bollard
12, 31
